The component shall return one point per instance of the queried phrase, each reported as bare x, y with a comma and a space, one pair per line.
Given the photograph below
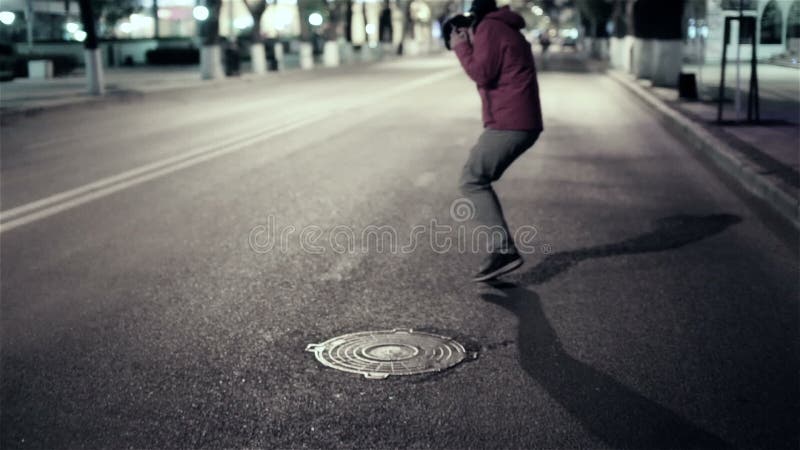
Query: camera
457, 21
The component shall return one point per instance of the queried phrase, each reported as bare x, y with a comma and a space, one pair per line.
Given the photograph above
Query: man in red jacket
498, 58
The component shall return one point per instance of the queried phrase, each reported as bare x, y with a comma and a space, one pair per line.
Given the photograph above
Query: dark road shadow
609, 410
670, 233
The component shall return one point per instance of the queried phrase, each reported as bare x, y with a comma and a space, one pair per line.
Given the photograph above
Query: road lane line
54, 204
62, 196
108, 189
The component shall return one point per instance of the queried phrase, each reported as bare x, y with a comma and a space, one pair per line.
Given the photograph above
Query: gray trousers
488, 159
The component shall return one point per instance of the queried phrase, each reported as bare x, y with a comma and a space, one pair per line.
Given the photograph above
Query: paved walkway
24, 94
769, 149
779, 89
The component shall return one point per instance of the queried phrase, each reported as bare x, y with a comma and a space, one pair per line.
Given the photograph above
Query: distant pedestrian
495, 54
544, 42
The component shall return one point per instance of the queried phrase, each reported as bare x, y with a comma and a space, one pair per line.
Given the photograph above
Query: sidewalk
762, 157
23, 95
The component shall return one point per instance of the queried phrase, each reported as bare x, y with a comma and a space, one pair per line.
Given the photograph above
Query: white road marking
62, 196
54, 204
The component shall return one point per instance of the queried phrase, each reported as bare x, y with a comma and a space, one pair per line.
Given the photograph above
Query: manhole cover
378, 354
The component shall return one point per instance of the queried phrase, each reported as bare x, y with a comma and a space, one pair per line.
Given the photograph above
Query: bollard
40, 69
687, 86
330, 54
306, 56
279, 55
258, 58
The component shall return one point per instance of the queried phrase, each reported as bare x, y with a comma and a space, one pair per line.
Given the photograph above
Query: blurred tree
209, 28
156, 32
305, 8
595, 15
619, 19
89, 19
657, 19
335, 19
258, 58
109, 11
256, 8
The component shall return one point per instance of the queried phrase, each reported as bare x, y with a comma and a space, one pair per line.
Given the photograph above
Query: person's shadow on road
670, 233
617, 415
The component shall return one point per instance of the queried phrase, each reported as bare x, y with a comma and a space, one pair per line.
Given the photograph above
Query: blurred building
777, 28
56, 20
652, 38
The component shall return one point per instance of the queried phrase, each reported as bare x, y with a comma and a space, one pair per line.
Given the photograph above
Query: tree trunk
657, 28
92, 55
211, 54
156, 33
258, 57
257, 11
210, 27
618, 17
334, 27
348, 20
305, 27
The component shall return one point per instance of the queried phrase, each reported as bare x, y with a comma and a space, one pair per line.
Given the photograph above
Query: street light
200, 13
7, 17
315, 19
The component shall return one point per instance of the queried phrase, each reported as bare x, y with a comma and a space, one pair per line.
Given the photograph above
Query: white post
330, 54
306, 56
40, 69
258, 58
279, 54
94, 71
738, 97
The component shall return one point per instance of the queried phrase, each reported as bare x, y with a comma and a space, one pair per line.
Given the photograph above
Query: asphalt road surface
154, 294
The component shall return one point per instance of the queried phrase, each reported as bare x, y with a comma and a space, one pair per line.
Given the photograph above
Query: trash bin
232, 62
687, 86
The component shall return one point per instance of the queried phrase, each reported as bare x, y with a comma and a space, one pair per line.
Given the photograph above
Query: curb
721, 153
110, 96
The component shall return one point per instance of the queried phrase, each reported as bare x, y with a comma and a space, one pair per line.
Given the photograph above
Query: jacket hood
508, 17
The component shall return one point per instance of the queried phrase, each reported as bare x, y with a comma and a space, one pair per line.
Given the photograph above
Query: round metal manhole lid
379, 354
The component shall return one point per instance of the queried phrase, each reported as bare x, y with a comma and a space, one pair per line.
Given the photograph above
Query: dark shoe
498, 264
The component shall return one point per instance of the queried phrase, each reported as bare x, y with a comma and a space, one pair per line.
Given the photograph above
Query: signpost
753, 113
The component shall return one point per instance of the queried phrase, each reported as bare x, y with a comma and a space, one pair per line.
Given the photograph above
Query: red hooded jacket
500, 61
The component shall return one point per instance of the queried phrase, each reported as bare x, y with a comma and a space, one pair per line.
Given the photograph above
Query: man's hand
457, 36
